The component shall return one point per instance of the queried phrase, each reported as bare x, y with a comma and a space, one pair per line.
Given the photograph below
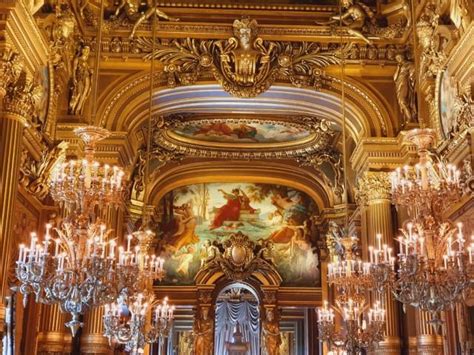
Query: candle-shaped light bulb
112, 249
129, 241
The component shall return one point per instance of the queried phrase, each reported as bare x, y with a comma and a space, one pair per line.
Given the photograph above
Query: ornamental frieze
245, 65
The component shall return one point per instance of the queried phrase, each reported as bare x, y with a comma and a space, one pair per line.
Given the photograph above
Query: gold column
51, 331
427, 341
92, 338
14, 110
375, 194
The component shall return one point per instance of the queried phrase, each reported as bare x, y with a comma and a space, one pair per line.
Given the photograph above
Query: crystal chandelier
84, 269
434, 265
428, 187
80, 268
361, 328
127, 322
359, 331
81, 185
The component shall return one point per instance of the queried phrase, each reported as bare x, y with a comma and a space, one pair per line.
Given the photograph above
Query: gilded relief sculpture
360, 21
11, 67
34, 176
404, 79
355, 19
130, 10
271, 338
244, 65
149, 12
203, 332
81, 81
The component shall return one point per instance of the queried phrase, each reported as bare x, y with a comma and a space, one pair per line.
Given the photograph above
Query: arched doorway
237, 321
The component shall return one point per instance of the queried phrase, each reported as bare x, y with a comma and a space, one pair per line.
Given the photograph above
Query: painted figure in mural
185, 259
81, 81
242, 131
149, 12
277, 219
185, 222
236, 202
209, 252
266, 250
271, 333
404, 79
293, 213
203, 329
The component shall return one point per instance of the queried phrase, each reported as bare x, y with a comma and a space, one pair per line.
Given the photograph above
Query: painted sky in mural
195, 213
242, 132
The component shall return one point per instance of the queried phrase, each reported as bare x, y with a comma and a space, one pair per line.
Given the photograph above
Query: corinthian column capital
20, 99
11, 66
372, 187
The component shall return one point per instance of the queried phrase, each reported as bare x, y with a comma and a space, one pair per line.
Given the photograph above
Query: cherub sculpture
356, 19
149, 12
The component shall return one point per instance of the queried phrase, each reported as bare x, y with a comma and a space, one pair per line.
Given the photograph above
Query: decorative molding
240, 260
244, 65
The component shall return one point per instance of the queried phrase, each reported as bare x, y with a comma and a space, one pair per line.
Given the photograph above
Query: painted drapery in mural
197, 217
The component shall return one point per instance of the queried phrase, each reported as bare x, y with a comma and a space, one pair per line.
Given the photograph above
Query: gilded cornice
381, 153
118, 47
24, 35
373, 187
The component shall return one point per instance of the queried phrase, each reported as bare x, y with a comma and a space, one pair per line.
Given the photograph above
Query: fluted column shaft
427, 341
52, 331
11, 130
376, 198
92, 338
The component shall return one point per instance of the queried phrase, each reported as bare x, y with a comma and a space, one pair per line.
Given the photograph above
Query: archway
237, 320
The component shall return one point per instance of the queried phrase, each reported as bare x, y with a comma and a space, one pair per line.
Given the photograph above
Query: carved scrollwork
245, 65
34, 176
23, 98
159, 157
436, 39
332, 157
240, 258
11, 67
373, 186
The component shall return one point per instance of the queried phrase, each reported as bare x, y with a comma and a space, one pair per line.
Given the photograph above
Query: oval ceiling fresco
242, 132
199, 215
238, 132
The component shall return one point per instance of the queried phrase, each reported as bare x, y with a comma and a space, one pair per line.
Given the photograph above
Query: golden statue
404, 79
149, 12
356, 19
129, 8
81, 81
271, 333
244, 61
203, 333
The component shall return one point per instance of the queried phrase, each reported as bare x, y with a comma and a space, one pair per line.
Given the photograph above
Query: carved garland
244, 65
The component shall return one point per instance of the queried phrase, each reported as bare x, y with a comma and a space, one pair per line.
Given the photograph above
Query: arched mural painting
196, 218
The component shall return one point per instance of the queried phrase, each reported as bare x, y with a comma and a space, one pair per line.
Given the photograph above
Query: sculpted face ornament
244, 65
